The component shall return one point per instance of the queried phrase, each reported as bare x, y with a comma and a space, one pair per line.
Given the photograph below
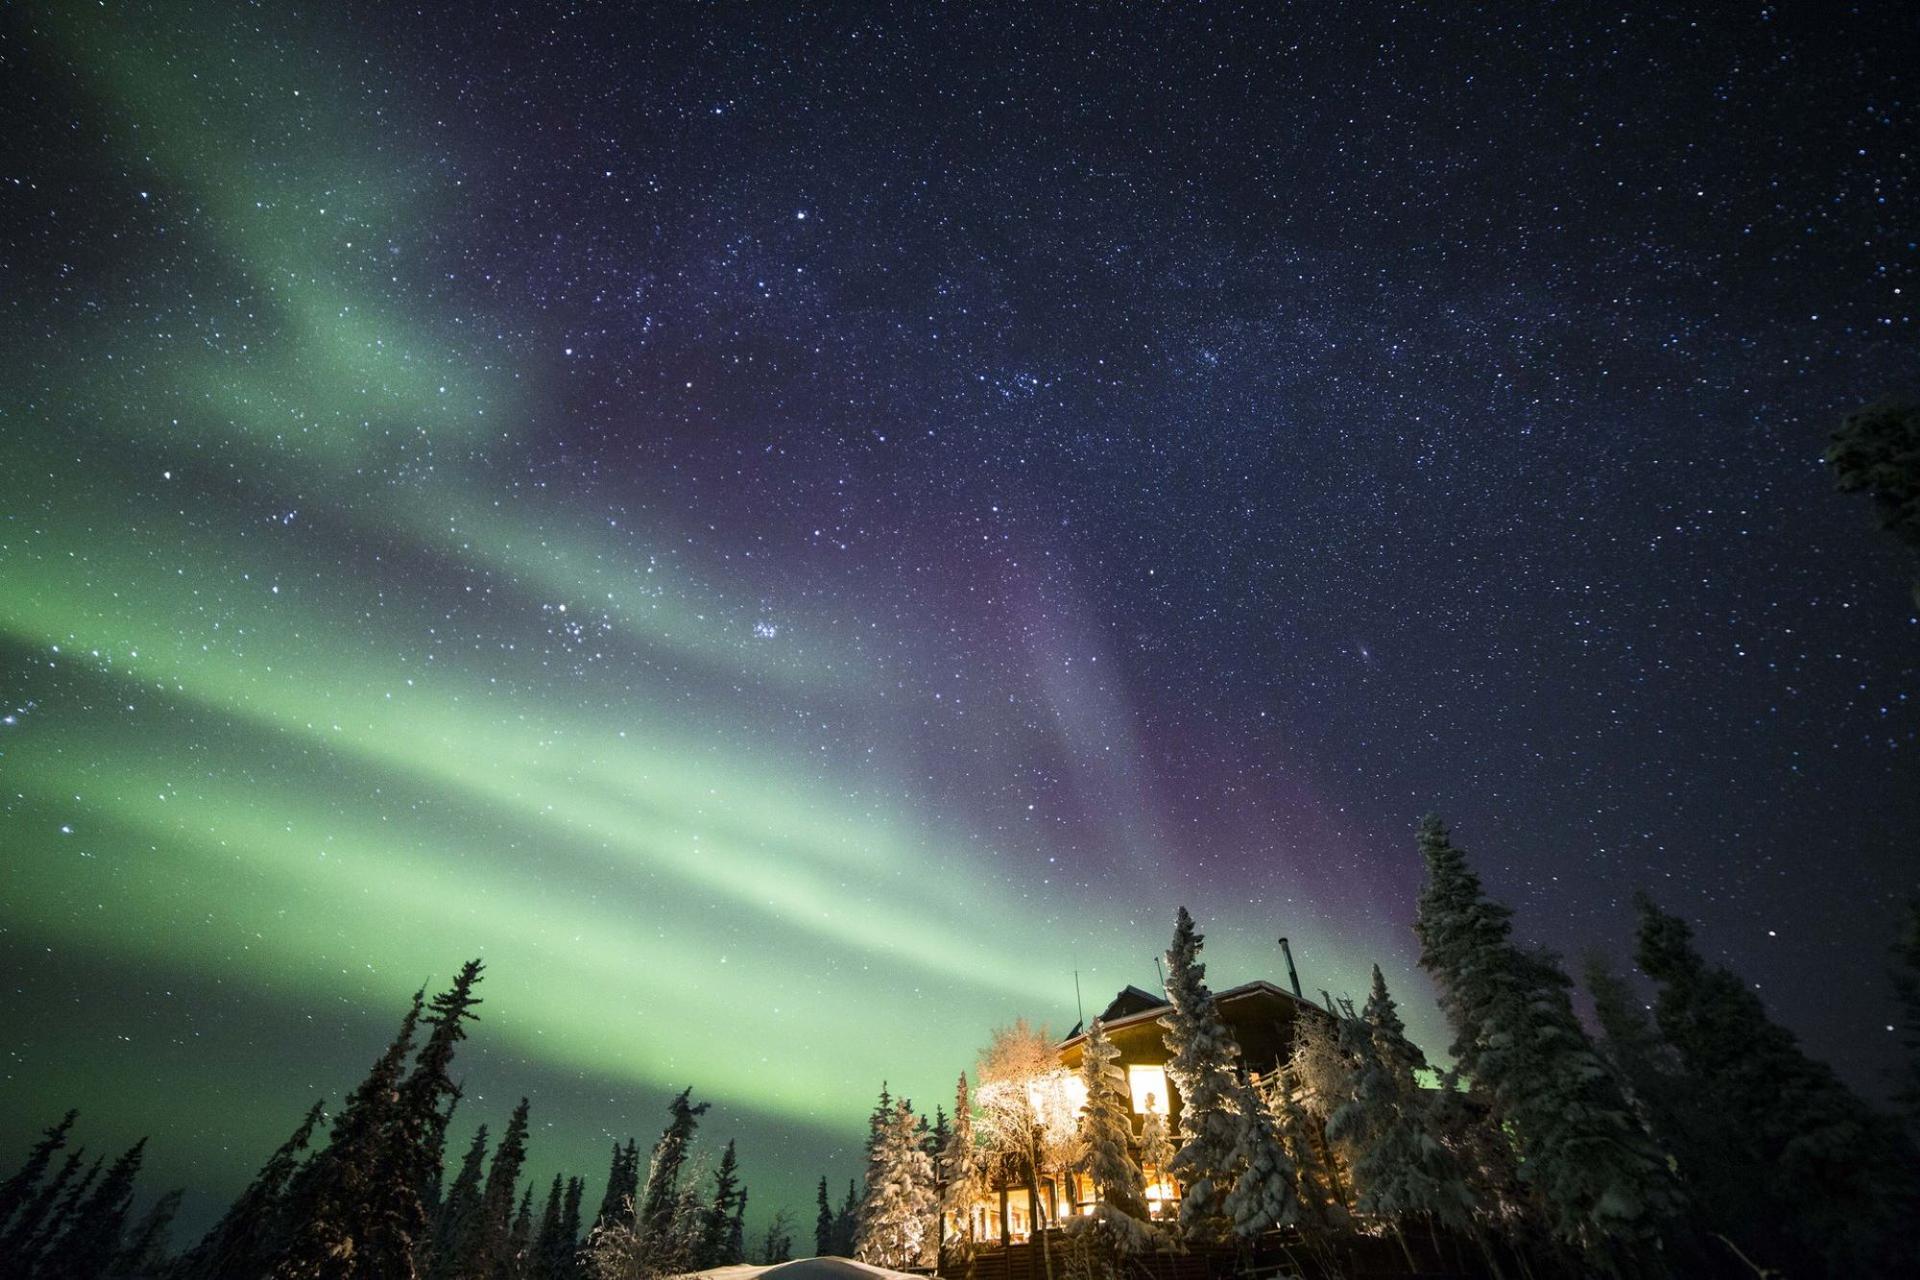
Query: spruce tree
144, 1256
1603, 1185
1202, 1068
547, 1246
250, 1235
715, 1248
41, 1215
1119, 1222
96, 1227
898, 1213
1321, 1209
656, 1210
1837, 1182
417, 1135
1906, 986
17, 1191
621, 1198
460, 1212
736, 1250
846, 1223
337, 1229
489, 1250
963, 1177
1263, 1196
1403, 1173
823, 1223
566, 1265
519, 1240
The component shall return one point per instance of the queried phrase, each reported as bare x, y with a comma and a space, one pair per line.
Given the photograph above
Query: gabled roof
1133, 1006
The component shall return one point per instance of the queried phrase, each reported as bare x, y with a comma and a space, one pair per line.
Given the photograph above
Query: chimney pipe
1293, 975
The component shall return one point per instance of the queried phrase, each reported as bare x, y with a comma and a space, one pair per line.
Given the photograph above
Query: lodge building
1260, 1016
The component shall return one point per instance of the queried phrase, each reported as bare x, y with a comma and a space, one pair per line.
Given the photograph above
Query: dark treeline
372, 1201
1691, 1135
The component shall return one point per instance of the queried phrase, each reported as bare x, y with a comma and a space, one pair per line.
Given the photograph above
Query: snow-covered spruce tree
898, 1214
1838, 1186
1602, 1185
1202, 1069
1403, 1174
1263, 1196
1118, 1226
963, 1175
1156, 1146
657, 1206
1321, 1210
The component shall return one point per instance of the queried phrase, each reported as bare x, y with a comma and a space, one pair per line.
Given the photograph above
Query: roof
1130, 1001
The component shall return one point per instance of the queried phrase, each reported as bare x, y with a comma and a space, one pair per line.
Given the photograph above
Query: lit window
1149, 1088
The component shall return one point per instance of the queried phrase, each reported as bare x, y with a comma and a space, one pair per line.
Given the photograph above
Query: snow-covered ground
805, 1269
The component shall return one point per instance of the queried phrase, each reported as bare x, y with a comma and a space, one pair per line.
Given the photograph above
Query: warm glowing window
1149, 1088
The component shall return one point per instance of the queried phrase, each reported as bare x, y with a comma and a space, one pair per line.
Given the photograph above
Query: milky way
791, 534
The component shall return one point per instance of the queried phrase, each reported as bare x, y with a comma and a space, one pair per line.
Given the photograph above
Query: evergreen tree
776, 1246
1202, 1068
1403, 1173
623, 1185
458, 1222
1263, 1195
37, 1250
566, 1265
417, 1134
1877, 452
1837, 1184
1321, 1209
252, 1231
656, 1212
490, 1249
548, 1248
1603, 1185
41, 1216
897, 1215
846, 1223
520, 1239
93, 1233
737, 1230
17, 1191
879, 1119
1119, 1222
715, 1237
823, 1223
144, 1256
338, 1231
963, 1175
1906, 985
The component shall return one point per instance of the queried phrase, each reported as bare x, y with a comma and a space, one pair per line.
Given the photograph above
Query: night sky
791, 532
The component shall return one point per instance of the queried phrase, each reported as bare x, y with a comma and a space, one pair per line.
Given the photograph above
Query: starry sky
791, 530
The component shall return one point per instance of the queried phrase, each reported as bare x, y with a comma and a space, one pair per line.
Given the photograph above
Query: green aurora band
314, 698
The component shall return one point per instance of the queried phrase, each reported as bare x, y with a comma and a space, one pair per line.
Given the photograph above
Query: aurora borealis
791, 532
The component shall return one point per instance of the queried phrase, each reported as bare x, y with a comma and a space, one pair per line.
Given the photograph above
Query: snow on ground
805, 1269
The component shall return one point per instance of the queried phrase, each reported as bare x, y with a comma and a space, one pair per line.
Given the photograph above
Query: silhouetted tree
339, 1231
94, 1230
823, 1223
1603, 1184
716, 1237
247, 1238
1877, 452
1836, 1184
144, 1256
18, 1190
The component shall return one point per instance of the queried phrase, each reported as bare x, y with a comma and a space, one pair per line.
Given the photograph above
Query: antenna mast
1076, 1000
